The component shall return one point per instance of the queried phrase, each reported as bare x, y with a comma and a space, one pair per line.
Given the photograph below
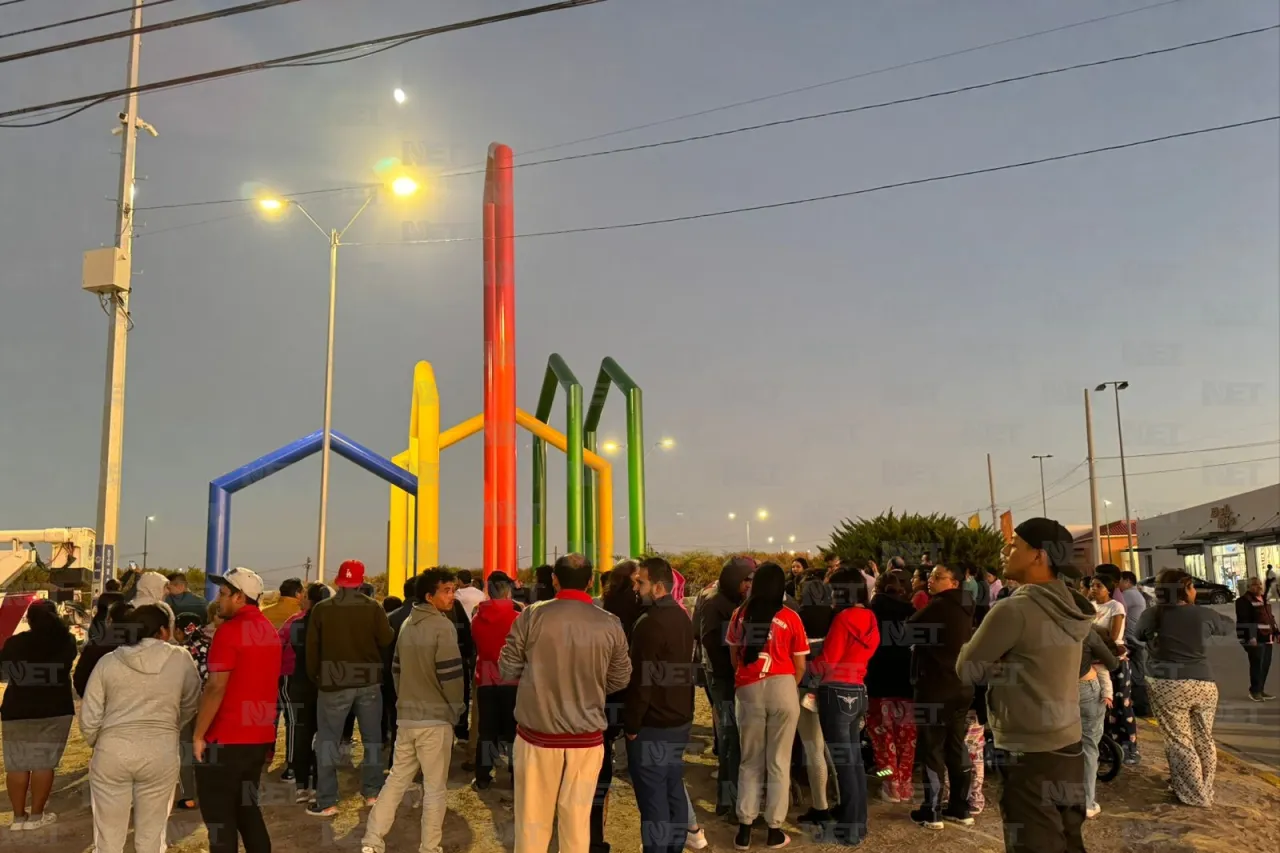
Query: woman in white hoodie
137, 701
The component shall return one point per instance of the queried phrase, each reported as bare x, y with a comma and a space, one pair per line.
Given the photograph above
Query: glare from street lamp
667, 443
732, 516
791, 538
271, 205
610, 447
762, 514
404, 186
770, 540
151, 518
399, 95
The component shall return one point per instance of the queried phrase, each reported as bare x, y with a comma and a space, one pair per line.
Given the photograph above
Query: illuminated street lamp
146, 529
761, 514
402, 185
399, 96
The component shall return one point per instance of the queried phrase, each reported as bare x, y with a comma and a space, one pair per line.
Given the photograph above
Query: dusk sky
822, 360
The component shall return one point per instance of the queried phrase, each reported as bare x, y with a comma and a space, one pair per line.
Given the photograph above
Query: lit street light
611, 448
146, 529
399, 96
1124, 479
402, 185
1044, 503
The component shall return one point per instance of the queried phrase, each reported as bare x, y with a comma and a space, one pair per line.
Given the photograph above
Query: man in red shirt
495, 698
235, 727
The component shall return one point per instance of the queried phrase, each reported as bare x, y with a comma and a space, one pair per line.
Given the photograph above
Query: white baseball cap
241, 580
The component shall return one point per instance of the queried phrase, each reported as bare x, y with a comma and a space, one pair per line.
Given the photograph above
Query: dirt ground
1138, 815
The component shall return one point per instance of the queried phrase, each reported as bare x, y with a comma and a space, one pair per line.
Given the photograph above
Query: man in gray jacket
427, 669
1027, 651
567, 655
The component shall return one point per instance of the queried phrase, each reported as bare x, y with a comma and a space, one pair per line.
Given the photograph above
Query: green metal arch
558, 372
611, 373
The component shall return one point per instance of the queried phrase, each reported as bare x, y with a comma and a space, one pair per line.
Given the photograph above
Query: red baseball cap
350, 574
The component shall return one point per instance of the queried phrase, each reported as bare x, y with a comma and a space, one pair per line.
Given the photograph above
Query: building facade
1222, 541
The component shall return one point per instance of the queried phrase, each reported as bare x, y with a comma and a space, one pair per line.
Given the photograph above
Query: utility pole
306, 571
991, 484
115, 299
1044, 503
1093, 480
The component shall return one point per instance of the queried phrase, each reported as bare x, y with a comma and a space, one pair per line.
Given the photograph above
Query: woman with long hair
138, 700
891, 715
1180, 682
109, 637
1109, 616
767, 646
842, 698
36, 713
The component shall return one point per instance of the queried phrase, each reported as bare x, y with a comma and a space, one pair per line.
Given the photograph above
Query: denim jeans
656, 761
730, 757
332, 708
841, 708
1092, 716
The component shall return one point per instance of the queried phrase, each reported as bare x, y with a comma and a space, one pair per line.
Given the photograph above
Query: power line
883, 70
932, 179
1190, 467
231, 11
1199, 450
398, 39
882, 104
150, 4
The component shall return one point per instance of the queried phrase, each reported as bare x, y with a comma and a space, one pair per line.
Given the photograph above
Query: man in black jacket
710, 622
942, 701
658, 711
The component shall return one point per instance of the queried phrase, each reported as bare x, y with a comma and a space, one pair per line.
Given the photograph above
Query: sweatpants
422, 750
141, 771
815, 756
554, 788
301, 745
768, 712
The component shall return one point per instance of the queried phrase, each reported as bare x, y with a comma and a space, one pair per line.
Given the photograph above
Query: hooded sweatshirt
427, 668
1028, 651
150, 590
711, 617
937, 633
490, 625
140, 692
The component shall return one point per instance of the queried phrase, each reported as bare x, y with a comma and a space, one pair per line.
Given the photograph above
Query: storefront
1224, 541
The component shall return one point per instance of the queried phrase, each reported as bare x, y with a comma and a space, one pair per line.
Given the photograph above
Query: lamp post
1124, 478
1044, 502
1106, 521
401, 186
761, 514
146, 529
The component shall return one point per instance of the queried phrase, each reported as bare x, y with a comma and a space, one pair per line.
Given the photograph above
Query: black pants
729, 758
462, 730
300, 747
227, 785
1042, 800
940, 742
497, 727
1259, 665
613, 713
841, 709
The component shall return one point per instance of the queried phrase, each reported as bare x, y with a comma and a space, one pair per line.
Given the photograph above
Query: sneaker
926, 818
371, 801
777, 839
814, 817
696, 839
18, 825
889, 796
715, 774
1093, 811
1265, 696
742, 841
315, 811
1255, 697
958, 818
304, 795
287, 776
40, 822
185, 804
974, 812
367, 850
482, 784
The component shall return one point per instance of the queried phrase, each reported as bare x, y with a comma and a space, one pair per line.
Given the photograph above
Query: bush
943, 538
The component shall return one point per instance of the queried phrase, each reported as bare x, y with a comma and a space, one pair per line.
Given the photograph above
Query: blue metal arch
218, 544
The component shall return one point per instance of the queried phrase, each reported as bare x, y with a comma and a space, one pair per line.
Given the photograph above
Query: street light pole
1044, 503
146, 529
1124, 477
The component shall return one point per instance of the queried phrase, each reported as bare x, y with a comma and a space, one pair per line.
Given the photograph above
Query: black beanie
1049, 536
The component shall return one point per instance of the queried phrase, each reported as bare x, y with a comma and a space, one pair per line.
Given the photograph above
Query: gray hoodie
427, 668
140, 692
1028, 651
150, 589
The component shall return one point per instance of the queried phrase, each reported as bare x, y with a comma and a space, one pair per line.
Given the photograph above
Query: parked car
1207, 592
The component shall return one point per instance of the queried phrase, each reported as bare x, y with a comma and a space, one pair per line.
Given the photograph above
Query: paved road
1251, 729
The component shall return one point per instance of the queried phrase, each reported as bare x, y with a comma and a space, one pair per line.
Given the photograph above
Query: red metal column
504, 360
489, 550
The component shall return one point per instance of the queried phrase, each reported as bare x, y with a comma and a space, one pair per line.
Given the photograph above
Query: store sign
1226, 519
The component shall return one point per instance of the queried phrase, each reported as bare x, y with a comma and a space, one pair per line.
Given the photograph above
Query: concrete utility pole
1093, 480
991, 485
112, 284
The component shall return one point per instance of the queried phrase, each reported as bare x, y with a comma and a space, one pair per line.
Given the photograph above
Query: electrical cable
1188, 468
1198, 450
256, 6
149, 5
221, 73
913, 182
882, 104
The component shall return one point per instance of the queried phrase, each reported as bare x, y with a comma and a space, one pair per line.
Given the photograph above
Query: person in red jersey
495, 698
235, 727
767, 645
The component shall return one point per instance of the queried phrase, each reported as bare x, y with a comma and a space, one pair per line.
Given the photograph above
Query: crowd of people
844, 679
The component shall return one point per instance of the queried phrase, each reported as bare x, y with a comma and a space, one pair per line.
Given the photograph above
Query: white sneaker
367, 850
19, 824
696, 840
1093, 811
46, 819
304, 796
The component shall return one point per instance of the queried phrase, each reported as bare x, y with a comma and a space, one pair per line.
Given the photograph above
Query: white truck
70, 568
